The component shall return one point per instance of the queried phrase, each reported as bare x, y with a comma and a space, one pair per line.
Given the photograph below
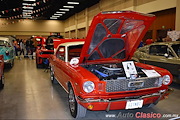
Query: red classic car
98, 74
1, 71
40, 41
45, 48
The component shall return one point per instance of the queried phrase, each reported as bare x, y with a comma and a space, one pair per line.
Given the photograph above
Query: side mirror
74, 62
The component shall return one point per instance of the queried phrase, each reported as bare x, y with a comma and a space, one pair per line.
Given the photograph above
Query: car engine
111, 71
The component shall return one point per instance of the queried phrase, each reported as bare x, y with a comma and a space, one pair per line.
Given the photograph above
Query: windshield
49, 44
176, 49
74, 51
55, 37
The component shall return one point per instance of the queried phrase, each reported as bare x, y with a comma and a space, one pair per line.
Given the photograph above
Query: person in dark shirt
160, 39
29, 46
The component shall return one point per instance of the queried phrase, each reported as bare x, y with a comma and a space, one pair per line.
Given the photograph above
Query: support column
177, 24
86, 21
69, 29
76, 22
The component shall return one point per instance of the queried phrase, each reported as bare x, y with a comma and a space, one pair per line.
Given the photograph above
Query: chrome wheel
2, 82
72, 104
51, 74
77, 110
52, 78
11, 63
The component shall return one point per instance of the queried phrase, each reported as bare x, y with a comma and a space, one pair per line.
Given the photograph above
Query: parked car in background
98, 74
161, 54
43, 52
40, 41
44, 49
1, 72
7, 50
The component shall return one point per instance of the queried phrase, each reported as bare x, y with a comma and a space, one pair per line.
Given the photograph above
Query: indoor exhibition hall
89, 60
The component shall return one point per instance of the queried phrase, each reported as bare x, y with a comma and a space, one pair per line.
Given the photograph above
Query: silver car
162, 54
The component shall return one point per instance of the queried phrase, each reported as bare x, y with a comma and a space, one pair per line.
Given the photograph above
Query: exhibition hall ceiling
42, 9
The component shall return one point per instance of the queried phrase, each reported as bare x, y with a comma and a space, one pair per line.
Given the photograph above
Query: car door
161, 56
58, 61
60, 66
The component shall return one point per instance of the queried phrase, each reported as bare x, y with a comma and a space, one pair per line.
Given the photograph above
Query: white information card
151, 73
129, 68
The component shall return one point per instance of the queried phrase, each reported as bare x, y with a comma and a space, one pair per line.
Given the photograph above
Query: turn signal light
90, 107
166, 97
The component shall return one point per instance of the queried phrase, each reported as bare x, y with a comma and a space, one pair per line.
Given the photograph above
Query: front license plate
132, 104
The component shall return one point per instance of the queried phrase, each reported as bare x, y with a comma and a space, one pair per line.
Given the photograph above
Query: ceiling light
75, 3
27, 10
24, 7
68, 6
29, 0
61, 12
53, 18
29, 4
24, 15
27, 13
64, 9
58, 14
27, 17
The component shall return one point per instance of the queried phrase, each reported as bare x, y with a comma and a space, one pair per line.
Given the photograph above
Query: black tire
2, 82
11, 64
37, 65
52, 78
76, 110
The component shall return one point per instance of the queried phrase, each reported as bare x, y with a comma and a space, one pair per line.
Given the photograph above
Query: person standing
16, 47
29, 46
33, 47
22, 48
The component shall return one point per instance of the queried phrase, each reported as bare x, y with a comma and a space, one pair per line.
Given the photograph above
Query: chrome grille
124, 85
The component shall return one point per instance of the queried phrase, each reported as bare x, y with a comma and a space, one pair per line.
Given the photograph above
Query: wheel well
69, 85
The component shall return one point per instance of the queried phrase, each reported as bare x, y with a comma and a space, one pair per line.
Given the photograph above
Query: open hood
115, 36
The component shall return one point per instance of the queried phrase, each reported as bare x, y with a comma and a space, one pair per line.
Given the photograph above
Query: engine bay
112, 71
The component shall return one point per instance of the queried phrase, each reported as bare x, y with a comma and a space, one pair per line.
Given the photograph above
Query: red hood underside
115, 36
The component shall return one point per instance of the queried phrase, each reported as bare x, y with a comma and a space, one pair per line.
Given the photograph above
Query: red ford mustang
98, 74
1, 71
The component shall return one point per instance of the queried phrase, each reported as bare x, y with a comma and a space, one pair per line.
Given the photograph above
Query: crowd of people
25, 47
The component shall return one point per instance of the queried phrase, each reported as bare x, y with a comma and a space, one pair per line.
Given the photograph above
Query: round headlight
166, 79
88, 86
7, 53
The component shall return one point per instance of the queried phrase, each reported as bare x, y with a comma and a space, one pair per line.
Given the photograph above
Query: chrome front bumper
160, 94
7, 61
